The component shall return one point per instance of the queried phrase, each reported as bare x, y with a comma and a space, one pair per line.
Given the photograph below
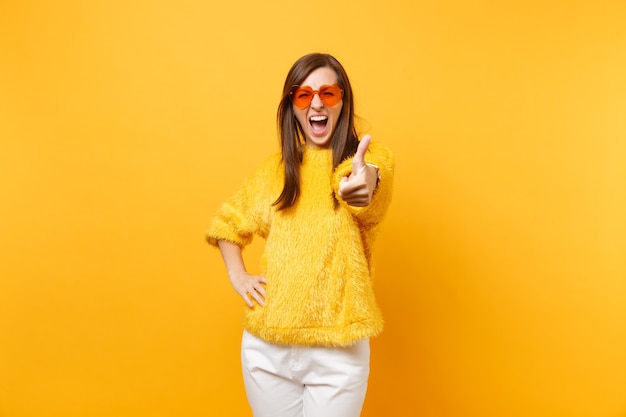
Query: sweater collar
317, 155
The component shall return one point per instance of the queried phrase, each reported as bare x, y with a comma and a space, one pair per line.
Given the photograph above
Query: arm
374, 205
242, 282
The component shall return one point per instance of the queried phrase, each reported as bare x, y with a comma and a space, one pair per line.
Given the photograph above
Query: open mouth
318, 123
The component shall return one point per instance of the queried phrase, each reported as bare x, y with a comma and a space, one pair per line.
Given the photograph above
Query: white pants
291, 381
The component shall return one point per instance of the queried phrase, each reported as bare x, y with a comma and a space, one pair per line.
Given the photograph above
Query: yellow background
501, 265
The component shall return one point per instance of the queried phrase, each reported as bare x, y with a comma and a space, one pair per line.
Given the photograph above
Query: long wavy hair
344, 141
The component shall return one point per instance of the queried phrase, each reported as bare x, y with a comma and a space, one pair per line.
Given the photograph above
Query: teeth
318, 118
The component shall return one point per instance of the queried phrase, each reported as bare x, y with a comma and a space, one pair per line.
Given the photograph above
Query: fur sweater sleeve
372, 214
248, 212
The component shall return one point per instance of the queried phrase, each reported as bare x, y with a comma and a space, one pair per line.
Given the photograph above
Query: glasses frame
312, 92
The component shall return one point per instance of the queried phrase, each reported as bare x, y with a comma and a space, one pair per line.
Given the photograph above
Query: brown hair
344, 141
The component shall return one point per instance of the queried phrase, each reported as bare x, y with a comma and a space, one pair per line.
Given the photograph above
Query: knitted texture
317, 258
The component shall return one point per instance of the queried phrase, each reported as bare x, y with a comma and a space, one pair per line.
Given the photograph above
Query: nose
317, 102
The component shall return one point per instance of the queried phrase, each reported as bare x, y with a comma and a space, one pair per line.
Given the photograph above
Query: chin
320, 142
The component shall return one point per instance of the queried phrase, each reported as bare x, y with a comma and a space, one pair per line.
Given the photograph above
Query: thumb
359, 157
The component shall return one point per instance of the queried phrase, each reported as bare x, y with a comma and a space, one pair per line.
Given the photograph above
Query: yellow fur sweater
317, 259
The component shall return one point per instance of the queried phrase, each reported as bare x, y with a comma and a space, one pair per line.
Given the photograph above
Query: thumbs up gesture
357, 188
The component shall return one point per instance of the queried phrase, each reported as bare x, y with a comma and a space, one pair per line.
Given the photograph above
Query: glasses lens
302, 96
330, 94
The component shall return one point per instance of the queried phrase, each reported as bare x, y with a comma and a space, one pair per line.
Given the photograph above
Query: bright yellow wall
501, 266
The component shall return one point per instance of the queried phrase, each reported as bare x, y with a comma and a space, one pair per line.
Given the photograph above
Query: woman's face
318, 120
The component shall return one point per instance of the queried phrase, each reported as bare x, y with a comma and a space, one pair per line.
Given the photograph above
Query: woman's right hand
247, 286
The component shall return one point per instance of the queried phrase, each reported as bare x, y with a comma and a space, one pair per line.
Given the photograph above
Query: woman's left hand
357, 188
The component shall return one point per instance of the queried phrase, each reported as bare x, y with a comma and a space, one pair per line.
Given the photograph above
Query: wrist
235, 272
377, 169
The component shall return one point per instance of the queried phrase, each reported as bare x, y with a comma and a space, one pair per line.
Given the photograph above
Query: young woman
318, 204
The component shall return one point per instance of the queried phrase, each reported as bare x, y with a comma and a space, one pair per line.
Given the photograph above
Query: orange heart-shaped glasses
303, 96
